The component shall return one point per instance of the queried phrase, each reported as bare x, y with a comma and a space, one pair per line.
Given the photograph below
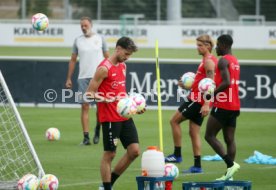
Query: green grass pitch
77, 167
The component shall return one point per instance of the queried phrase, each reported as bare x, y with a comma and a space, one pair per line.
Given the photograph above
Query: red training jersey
229, 98
112, 86
195, 95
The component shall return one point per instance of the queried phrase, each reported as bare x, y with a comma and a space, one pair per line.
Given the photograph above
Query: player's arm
180, 83
95, 82
225, 75
209, 67
71, 69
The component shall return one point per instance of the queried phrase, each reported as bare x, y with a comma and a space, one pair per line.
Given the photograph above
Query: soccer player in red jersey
226, 107
106, 87
194, 108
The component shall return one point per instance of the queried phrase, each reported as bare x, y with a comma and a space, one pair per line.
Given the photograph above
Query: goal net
17, 154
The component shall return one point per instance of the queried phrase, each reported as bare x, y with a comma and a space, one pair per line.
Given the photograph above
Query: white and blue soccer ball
139, 100
171, 170
52, 134
126, 107
187, 80
40, 21
207, 86
48, 182
28, 182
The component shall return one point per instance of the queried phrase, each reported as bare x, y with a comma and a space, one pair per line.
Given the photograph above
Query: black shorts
191, 110
124, 131
227, 118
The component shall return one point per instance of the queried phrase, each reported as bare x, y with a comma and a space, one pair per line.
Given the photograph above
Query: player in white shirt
91, 49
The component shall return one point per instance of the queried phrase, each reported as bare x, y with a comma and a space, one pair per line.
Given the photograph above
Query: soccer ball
40, 21
139, 100
207, 86
126, 107
48, 182
187, 80
52, 134
28, 182
171, 170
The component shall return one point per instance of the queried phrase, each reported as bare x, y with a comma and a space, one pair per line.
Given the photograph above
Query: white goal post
17, 154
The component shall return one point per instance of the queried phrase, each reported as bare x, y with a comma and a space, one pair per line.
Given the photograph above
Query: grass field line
80, 184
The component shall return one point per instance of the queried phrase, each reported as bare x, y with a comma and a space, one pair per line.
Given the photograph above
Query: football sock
197, 161
228, 161
107, 185
177, 151
114, 177
97, 128
98, 125
86, 135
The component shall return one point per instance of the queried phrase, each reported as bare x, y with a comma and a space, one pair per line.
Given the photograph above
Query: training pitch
77, 167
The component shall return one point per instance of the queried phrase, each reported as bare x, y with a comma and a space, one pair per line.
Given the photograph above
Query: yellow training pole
159, 96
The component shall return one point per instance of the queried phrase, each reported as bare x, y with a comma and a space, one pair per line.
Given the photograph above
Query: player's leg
229, 133
85, 122
97, 129
212, 129
82, 86
195, 122
105, 168
218, 120
131, 154
194, 132
130, 141
188, 110
175, 122
111, 132
229, 139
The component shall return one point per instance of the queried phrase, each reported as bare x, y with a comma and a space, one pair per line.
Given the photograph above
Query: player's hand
142, 111
68, 84
180, 84
205, 110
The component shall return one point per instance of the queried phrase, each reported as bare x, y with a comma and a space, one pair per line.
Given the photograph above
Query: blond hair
206, 40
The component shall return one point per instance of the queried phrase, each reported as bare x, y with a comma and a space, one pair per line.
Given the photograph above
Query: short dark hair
86, 18
127, 43
225, 40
